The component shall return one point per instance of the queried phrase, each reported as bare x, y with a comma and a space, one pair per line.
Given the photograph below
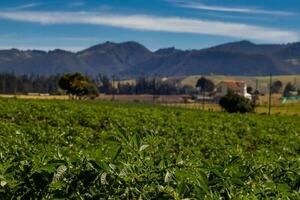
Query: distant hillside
131, 59
261, 81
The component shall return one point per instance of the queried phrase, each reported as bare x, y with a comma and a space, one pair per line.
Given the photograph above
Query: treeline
23, 84
142, 85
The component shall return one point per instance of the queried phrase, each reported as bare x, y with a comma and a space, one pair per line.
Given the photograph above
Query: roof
233, 84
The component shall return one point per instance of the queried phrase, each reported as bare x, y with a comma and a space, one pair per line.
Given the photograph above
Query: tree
187, 89
126, 88
64, 83
234, 103
205, 85
288, 89
249, 90
276, 87
144, 85
105, 86
166, 88
92, 91
77, 84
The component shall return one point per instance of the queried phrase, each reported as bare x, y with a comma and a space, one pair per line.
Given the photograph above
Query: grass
285, 109
51, 97
277, 108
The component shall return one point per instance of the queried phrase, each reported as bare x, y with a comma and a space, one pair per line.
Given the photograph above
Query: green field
281, 109
96, 150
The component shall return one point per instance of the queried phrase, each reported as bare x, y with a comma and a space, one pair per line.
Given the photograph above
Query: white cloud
245, 10
20, 38
25, 6
156, 23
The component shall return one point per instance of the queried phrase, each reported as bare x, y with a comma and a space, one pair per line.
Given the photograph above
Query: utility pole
256, 85
154, 88
135, 86
3, 85
113, 87
203, 99
270, 94
47, 86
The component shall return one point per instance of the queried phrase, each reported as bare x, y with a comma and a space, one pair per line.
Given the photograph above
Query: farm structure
239, 87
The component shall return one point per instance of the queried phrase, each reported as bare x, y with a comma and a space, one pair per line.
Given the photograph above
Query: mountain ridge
131, 59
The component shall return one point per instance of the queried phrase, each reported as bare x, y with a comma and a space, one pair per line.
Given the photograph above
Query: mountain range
131, 59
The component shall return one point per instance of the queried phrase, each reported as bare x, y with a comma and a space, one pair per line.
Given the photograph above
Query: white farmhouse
239, 87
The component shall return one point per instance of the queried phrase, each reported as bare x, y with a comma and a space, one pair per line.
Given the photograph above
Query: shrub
234, 103
289, 89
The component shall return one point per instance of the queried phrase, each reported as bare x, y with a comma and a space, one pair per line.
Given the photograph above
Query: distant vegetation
82, 84
289, 90
23, 84
205, 85
78, 85
276, 86
261, 82
234, 103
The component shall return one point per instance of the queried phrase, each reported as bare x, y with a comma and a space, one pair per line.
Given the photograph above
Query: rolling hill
131, 59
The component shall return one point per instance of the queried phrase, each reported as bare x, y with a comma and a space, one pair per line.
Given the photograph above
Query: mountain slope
132, 59
210, 62
239, 58
109, 58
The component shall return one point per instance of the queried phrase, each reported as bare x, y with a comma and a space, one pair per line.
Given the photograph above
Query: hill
131, 59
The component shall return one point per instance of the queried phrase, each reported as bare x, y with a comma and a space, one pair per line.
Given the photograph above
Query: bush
234, 103
289, 89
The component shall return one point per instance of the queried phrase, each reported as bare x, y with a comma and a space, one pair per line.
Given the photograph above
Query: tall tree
205, 85
288, 89
276, 87
105, 85
77, 84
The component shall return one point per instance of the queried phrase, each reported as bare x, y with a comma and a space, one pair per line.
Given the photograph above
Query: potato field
55, 149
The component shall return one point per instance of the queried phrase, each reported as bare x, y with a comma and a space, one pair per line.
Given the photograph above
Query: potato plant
101, 150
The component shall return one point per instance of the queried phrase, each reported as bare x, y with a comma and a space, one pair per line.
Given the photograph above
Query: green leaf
143, 147
168, 177
283, 187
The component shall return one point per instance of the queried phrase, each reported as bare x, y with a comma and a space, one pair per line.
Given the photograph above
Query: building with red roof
238, 87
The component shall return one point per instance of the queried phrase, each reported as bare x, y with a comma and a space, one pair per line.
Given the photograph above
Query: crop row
94, 150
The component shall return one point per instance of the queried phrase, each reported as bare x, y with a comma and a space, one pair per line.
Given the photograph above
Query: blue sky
184, 24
